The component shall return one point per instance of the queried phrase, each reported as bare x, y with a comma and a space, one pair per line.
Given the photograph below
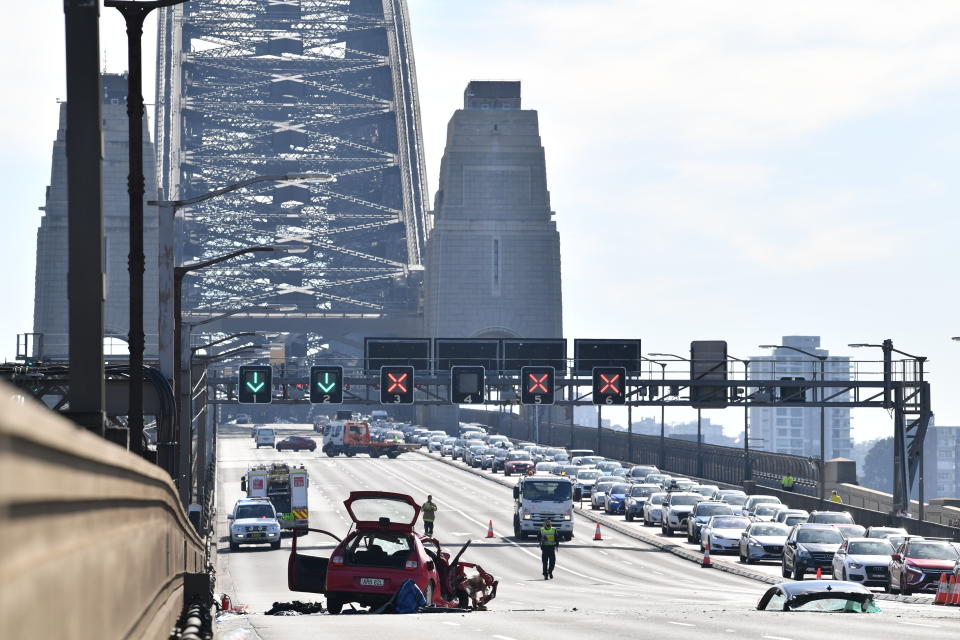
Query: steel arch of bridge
253, 87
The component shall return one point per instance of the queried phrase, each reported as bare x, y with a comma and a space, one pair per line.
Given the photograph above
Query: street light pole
747, 469
166, 256
182, 385
134, 12
823, 444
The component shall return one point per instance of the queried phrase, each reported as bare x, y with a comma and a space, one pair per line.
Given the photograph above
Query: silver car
763, 541
653, 509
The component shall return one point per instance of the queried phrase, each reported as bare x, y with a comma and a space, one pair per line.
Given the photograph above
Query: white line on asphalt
767, 637
919, 624
520, 547
503, 637
627, 562
681, 624
603, 552
452, 624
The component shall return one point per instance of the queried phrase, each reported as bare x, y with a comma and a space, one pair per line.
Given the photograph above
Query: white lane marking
681, 624
482, 524
603, 552
767, 637
503, 637
919, 624
660, 573
452, 624
627, 562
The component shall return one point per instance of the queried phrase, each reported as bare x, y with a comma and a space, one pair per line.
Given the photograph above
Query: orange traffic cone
954, 589
597, 536
706, 563
490, 529
819, 573
944, 590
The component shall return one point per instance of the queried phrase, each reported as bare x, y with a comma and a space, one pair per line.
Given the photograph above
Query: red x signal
537, 383
397, 383
609, 383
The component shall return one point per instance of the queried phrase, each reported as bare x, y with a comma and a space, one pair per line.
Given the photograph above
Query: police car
254, 521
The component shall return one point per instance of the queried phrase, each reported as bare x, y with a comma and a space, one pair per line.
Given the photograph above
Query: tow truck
286, 488
351, 438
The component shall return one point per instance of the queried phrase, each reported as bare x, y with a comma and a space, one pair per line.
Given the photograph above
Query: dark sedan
296, 443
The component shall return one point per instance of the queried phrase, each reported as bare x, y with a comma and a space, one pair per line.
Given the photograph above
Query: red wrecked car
380, 553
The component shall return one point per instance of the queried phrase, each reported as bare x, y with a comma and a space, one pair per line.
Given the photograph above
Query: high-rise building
796, 430
941, 451
50, 294
492, 266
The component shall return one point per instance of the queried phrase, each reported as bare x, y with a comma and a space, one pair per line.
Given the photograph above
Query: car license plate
371, 582
256, 535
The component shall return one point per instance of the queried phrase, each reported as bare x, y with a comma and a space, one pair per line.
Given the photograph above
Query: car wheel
350, 454
275, 545
334, 605
784, 571
234, 546
666, 530
463, 600
798, 572
506, 473
843, 575
628, 517
278, 448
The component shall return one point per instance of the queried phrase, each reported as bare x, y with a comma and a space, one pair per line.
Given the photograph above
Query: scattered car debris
295, 608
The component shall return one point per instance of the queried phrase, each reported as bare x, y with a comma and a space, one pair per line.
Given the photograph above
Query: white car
435, 442
723, 533
598, 496
676, 509
767, 512
763, 541
863, 560
653, 509
254, 521
753, 501
447, 445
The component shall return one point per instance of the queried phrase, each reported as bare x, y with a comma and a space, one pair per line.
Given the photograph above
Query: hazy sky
736, 170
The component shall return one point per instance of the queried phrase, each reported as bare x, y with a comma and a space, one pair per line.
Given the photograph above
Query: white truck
537, 499
286, 488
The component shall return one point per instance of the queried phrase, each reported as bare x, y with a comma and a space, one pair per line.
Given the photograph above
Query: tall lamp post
166, 259
182, 385
663, 413
888, 351
699, 425
134, 12
823, 443
747, 469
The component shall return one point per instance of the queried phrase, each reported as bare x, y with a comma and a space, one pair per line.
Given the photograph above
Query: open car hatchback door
382, 510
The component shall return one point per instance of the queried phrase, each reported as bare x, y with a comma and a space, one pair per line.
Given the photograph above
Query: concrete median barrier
93, 540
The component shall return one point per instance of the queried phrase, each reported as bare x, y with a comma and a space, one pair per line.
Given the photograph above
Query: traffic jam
386, 564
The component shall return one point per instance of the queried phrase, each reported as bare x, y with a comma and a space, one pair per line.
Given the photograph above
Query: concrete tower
493, 258
50, 293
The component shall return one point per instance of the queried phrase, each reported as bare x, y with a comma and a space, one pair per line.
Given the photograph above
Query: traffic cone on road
944, 590
706, 563
597, 536
954, 598
819, 573
490, 529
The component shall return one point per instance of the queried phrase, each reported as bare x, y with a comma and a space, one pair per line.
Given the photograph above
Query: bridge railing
93, 540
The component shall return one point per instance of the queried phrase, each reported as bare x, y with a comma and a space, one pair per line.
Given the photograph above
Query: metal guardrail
93, 540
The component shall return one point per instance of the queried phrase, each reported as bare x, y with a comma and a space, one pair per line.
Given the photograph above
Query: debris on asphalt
295, 608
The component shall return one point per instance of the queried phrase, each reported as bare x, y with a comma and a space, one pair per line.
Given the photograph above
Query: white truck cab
540, 498
253, 521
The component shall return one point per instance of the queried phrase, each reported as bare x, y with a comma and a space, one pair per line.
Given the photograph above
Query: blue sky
746, 169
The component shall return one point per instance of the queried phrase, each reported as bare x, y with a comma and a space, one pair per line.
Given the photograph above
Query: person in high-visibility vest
787, 482
835, 497
429, 515
549, 541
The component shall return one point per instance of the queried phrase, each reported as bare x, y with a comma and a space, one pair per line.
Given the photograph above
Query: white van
266, 437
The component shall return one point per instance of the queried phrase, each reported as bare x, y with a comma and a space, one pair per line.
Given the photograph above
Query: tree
878, 466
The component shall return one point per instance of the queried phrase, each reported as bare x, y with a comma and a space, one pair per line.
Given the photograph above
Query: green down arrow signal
254, 386
326, 385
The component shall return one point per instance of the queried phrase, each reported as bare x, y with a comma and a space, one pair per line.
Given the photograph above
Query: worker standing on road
787, 482
549, 541
835, 497
429, 515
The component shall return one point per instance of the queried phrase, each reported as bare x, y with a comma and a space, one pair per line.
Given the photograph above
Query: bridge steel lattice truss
254, 87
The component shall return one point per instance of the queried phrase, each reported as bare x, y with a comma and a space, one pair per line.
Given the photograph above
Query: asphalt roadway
614, 588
